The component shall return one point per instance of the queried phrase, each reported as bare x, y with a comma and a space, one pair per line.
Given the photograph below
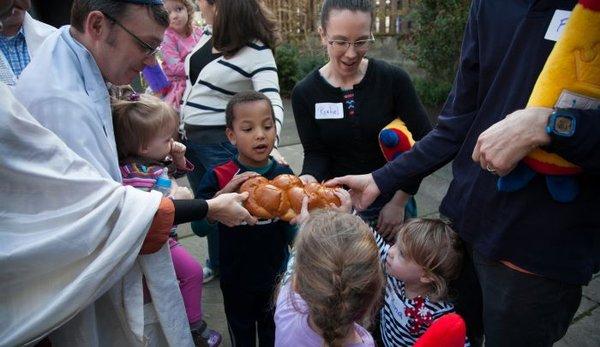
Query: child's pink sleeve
172, 64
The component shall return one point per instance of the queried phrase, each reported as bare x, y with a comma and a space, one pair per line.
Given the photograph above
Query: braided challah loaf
282, 196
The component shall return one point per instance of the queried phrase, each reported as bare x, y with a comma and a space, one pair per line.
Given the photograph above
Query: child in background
179, 39
335, 283
251, 257
144, 128
426, 256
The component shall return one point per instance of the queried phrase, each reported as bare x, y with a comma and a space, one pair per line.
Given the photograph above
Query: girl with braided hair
335, 284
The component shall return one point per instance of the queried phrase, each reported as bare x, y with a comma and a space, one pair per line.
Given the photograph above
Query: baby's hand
181, 193
178, 153
236, 182
346, 205
177, 149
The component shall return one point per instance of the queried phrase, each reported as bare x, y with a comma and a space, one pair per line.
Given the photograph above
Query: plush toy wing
570, 79
395, 139
449, 331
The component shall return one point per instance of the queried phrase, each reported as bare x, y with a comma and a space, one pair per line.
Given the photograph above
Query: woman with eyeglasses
341, 107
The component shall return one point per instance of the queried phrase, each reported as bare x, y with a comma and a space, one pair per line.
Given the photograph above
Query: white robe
35, 32
64, 90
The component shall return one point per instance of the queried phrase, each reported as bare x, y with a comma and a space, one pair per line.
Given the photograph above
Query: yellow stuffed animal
570, 78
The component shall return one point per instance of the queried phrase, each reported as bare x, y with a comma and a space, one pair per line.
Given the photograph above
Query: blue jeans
205, 157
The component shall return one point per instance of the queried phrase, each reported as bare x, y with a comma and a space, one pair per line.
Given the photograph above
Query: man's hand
228, 209
500, 148
236, 182
178, 154
363, 189
392, 215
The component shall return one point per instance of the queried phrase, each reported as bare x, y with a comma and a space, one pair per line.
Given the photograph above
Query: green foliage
432, 93
309, 62
286, 57
293, 65
433, 43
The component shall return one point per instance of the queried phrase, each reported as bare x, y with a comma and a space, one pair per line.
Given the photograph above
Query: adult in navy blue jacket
528, 254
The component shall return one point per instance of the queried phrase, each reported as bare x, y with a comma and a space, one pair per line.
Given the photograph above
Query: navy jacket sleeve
316, 157
583, 148
442, 144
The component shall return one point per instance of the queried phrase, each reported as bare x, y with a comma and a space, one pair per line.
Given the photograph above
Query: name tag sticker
329, 110
569, 99
557, 25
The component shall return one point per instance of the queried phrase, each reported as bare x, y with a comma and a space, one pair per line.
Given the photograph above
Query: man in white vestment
70, 233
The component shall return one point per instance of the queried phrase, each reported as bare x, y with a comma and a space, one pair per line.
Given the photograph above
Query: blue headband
143, 2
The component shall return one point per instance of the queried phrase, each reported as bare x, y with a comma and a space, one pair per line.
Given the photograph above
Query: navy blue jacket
503, 52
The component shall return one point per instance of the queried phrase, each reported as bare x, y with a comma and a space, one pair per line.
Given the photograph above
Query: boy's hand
236, 182
178, 154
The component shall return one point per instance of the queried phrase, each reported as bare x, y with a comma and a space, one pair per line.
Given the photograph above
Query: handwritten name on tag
557, 25
329, 110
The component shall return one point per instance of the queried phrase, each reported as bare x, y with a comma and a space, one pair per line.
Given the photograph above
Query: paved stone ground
584, 331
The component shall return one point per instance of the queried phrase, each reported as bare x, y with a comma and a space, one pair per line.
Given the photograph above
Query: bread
282, 196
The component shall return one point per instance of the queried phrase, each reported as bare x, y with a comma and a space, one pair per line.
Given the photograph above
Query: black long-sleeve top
502, 56
337, 147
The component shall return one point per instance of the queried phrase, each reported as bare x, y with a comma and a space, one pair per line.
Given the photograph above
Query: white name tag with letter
557, 25
329, 110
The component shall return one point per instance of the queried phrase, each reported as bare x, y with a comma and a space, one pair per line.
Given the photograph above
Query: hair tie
133, 97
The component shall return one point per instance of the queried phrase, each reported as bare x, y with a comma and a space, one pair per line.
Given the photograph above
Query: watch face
563, 125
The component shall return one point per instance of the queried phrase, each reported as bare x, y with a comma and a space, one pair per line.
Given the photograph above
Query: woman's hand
236, 182
392, 215
228, 209
278, 157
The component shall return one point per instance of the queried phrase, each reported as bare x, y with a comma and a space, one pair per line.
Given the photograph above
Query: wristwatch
561, 123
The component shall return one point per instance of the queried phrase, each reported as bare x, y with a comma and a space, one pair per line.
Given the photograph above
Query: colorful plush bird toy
570, 79
395, 139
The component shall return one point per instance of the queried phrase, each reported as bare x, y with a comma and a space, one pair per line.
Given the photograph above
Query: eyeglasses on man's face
148, 50
359, 45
